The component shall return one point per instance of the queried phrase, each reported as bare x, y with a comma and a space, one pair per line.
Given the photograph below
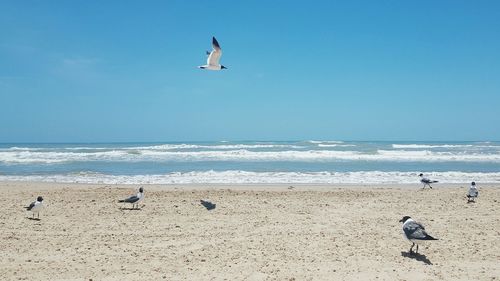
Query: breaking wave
247, 177
137, 154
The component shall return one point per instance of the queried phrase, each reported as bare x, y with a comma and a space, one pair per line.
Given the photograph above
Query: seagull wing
414, 230
473, 192
214, 57
215, 44
30, 206
131, 199
425, 180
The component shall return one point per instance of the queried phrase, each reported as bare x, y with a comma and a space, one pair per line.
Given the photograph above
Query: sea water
313, 161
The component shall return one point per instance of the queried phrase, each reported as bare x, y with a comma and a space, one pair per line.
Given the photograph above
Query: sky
126, 71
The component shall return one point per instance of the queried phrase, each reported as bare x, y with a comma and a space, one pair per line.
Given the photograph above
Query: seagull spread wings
214, 57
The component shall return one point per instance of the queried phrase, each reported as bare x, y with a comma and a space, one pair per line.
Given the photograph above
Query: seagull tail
121, 201
428, 237
434, 181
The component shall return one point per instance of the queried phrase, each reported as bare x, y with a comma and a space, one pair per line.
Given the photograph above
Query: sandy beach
255, 232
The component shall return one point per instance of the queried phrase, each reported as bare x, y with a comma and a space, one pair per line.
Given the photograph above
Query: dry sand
254, 233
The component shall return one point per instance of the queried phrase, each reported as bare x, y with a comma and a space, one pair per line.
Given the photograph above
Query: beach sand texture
254, 233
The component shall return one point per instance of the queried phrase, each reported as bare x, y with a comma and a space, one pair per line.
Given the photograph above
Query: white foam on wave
432, 156
137, 155
246, 177
18, 148
335, 145
52, 157
418, 146
180, 146
215, 147
325, 141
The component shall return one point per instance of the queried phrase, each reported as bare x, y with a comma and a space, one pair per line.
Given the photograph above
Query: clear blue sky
91, 71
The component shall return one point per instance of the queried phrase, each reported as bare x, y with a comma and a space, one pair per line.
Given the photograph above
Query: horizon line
222, 141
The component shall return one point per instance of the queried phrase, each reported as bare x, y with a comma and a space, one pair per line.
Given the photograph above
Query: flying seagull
473, 193
36, 206
135, 199
414, 232
426, 181
214, 57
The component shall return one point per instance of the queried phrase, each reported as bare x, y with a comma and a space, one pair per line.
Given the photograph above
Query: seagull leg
411, 248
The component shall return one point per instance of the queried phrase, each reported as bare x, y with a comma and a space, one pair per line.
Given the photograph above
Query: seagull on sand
414, 232
135, 199
36, 206
214, 57
426, 181
473, 193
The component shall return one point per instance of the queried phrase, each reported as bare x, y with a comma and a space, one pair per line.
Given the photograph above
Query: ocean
266, 162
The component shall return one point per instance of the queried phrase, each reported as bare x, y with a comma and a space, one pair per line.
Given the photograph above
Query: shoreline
243, 186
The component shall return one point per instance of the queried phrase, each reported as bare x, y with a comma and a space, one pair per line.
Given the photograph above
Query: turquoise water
252, 162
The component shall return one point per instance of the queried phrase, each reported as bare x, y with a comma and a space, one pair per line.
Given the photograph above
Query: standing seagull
426, 181
414, 232
36, 207
473, 193
214, 57
135, 199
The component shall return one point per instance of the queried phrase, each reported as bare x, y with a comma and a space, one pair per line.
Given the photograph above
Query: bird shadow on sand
130, 209
34, 219
207, 204
416, 256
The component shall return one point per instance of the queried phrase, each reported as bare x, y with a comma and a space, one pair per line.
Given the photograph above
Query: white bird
426, 181
214, 57
135, 199
36, 206
414, 232
473, 193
